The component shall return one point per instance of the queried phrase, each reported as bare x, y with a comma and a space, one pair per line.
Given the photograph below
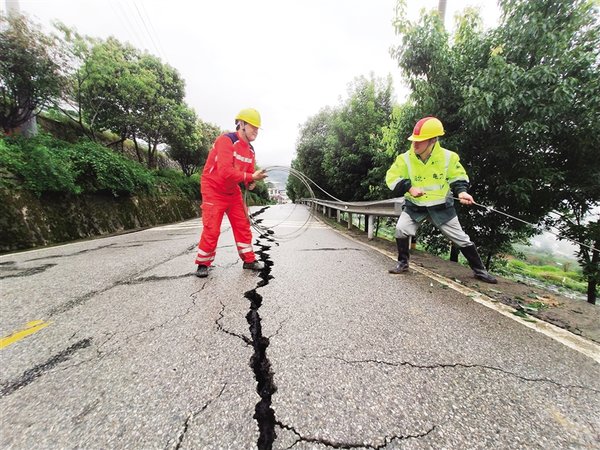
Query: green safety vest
434, 176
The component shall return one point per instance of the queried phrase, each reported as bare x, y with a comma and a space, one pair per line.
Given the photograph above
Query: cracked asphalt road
139, 353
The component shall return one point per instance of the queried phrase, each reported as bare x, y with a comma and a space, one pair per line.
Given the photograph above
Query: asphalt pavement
114, 343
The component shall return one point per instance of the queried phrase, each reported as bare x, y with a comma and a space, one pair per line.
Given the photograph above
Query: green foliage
338, 148
133, 94
548, 274
73, 50
29, 74
41, 164
260, 193
189, 186
161, 104
44, 164
190, 140
98, 169
349, 159
254, 199
310, 150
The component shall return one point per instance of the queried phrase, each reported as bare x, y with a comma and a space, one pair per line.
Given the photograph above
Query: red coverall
230, 162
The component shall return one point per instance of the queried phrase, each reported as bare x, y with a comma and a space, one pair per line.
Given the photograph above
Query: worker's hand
466, 198
259, 175
416, 192
251, 186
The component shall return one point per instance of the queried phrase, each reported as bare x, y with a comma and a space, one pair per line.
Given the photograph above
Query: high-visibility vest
434, 176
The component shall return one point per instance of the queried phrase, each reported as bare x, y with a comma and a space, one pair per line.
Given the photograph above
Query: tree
29, 75
74, 50
356, 132
310, 148
111, 90
580, 228
189, 140
132, 94
338, 147
548, 55
160, 101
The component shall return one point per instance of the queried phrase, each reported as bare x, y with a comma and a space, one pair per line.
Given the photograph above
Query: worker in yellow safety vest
427, 175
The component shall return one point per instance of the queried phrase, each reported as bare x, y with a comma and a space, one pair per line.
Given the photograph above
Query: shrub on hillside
175, 179
39, 163
46, 164
98, 169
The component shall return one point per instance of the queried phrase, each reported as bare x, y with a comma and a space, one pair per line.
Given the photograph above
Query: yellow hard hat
427, 128
249, 115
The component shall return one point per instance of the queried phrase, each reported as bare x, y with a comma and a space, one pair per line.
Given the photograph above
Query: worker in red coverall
230, 162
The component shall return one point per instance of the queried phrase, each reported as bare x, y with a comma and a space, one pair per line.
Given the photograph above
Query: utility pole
442, 10
29, 128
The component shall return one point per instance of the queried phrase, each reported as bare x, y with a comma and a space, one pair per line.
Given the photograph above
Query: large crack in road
261, 366
265, 384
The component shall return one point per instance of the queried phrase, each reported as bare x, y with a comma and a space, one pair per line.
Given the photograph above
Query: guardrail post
349, 220
338, 215
370, 227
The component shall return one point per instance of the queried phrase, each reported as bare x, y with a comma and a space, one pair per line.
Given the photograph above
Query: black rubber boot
403, 255
202, 271
476, 264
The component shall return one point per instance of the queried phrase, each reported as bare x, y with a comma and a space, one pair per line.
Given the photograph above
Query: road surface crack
265, 385
192, 416
220, 327
263, 413
349, 445
73, 303
465, 366
32, 374
26, 272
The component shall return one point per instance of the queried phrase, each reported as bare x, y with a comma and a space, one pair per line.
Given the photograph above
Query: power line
129, 27
132, 18
147, 30
155, 33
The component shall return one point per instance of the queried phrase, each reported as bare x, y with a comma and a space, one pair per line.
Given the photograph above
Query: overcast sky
286, 58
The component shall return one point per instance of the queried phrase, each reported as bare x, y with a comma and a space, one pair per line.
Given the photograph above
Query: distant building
276, 194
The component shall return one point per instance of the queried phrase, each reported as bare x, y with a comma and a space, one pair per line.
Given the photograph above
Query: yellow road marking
30, 328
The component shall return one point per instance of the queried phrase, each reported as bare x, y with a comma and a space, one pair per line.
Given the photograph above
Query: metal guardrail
380, 208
